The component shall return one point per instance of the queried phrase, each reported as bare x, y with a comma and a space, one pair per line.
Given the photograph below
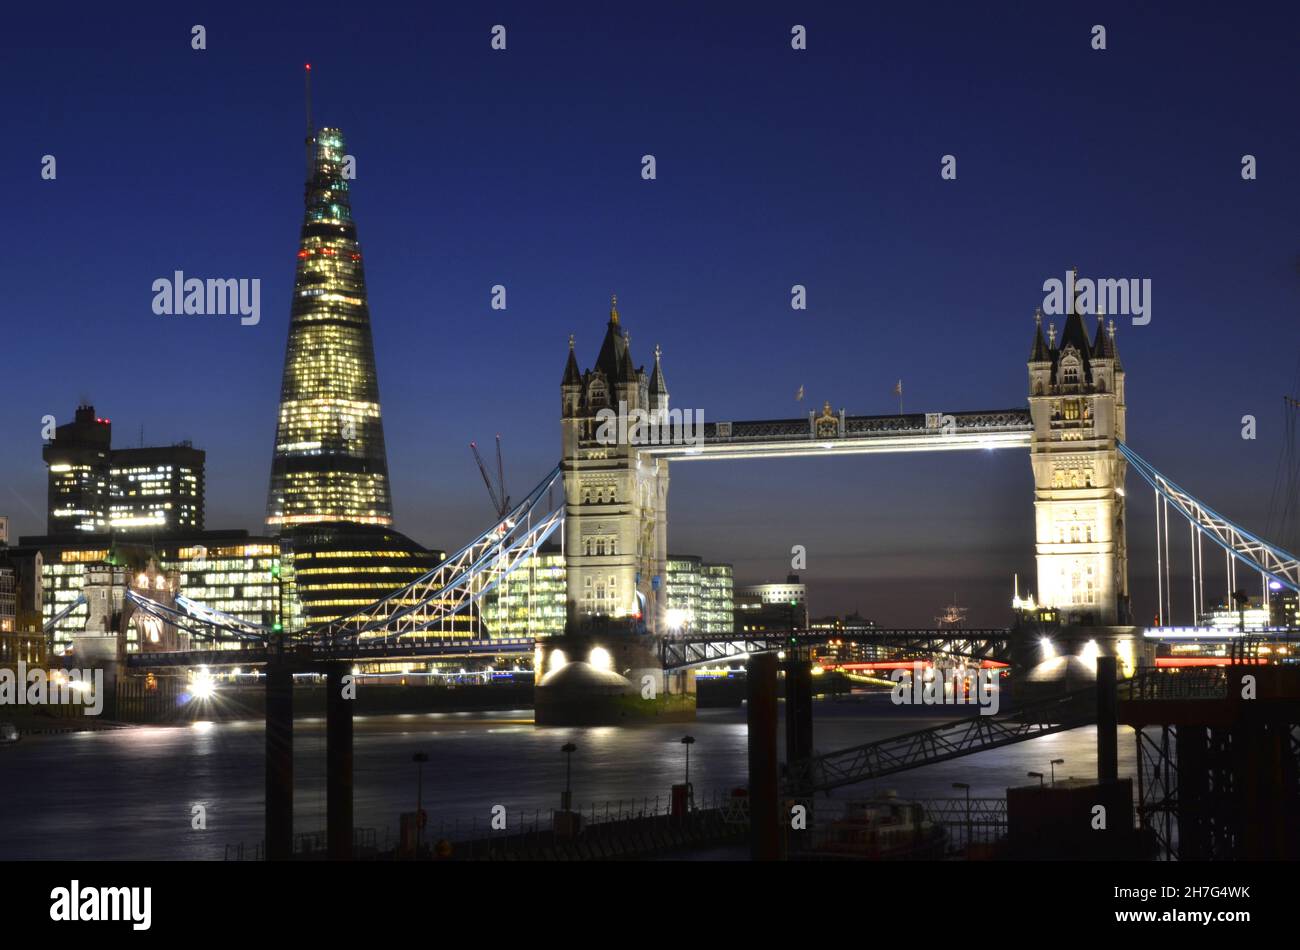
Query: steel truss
947, 741
697, 650
199, 621
1248, 548
429, 601
1188, 791
458, 581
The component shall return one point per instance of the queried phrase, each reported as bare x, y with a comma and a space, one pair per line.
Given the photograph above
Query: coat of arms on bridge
827, 424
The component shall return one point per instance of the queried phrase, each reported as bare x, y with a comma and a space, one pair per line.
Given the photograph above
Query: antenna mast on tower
311, 132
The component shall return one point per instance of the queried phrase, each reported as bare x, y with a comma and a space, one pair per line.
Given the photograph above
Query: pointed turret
572, 375
631, 376
1103, 345
1039, 353
657, 385
614, 348
1075, 335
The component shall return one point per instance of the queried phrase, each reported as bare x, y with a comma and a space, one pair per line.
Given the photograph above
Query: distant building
700, 596
78, 464
766, 607
227, 570
95, 489
8, 600
717, 601
1284, 608
1256, 616
21, 636
529, 602
683, 593
331, 570
20, 642
156, 489
841, 646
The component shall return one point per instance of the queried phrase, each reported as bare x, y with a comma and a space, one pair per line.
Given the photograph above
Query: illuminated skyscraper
329, 462
95, 489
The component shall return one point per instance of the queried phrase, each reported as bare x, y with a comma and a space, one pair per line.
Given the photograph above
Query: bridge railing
1147, 682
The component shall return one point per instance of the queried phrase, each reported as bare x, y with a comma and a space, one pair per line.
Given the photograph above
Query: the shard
329, 462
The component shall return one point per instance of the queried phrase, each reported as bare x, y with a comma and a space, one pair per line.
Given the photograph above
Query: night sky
775, 167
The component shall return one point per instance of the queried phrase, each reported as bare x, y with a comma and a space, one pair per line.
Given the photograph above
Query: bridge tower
606, 667
1076, 401
616, 499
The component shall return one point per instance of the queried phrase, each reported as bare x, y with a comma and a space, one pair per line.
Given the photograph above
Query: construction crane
500, 500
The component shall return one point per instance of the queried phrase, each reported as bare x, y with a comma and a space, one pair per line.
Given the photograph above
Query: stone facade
1076, 401
616, 498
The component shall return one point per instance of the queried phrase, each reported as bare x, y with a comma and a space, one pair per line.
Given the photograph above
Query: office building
96, 489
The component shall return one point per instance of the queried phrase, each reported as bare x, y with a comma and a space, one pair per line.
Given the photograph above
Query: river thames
131, 793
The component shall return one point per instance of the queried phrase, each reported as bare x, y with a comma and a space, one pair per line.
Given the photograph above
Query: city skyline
913, 287
860, 436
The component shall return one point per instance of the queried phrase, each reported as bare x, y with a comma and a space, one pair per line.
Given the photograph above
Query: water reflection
130, 793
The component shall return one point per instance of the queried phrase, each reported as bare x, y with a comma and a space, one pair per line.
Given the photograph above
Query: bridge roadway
677, 653
683, 652
855, 435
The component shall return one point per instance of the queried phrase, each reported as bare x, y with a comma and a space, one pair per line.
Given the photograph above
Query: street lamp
1055, 763
419, 759
1039, 776
688, 741
960, 786
566, 801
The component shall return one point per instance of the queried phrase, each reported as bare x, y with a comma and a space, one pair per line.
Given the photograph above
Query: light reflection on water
130, 793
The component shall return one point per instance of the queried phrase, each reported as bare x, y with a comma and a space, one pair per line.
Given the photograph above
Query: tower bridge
616, 481
616, 492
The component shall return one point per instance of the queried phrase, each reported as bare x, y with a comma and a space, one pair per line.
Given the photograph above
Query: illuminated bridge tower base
606, 666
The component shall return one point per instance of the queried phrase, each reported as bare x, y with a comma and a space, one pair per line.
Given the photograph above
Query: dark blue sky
775, 167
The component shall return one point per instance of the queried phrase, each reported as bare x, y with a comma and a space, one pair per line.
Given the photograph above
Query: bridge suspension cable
461, 579
58, 618
431, 599
200, 621
1239, 544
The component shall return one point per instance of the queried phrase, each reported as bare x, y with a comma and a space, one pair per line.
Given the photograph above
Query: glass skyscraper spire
329, 463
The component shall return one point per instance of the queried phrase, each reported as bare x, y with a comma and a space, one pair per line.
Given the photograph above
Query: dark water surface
130, 793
